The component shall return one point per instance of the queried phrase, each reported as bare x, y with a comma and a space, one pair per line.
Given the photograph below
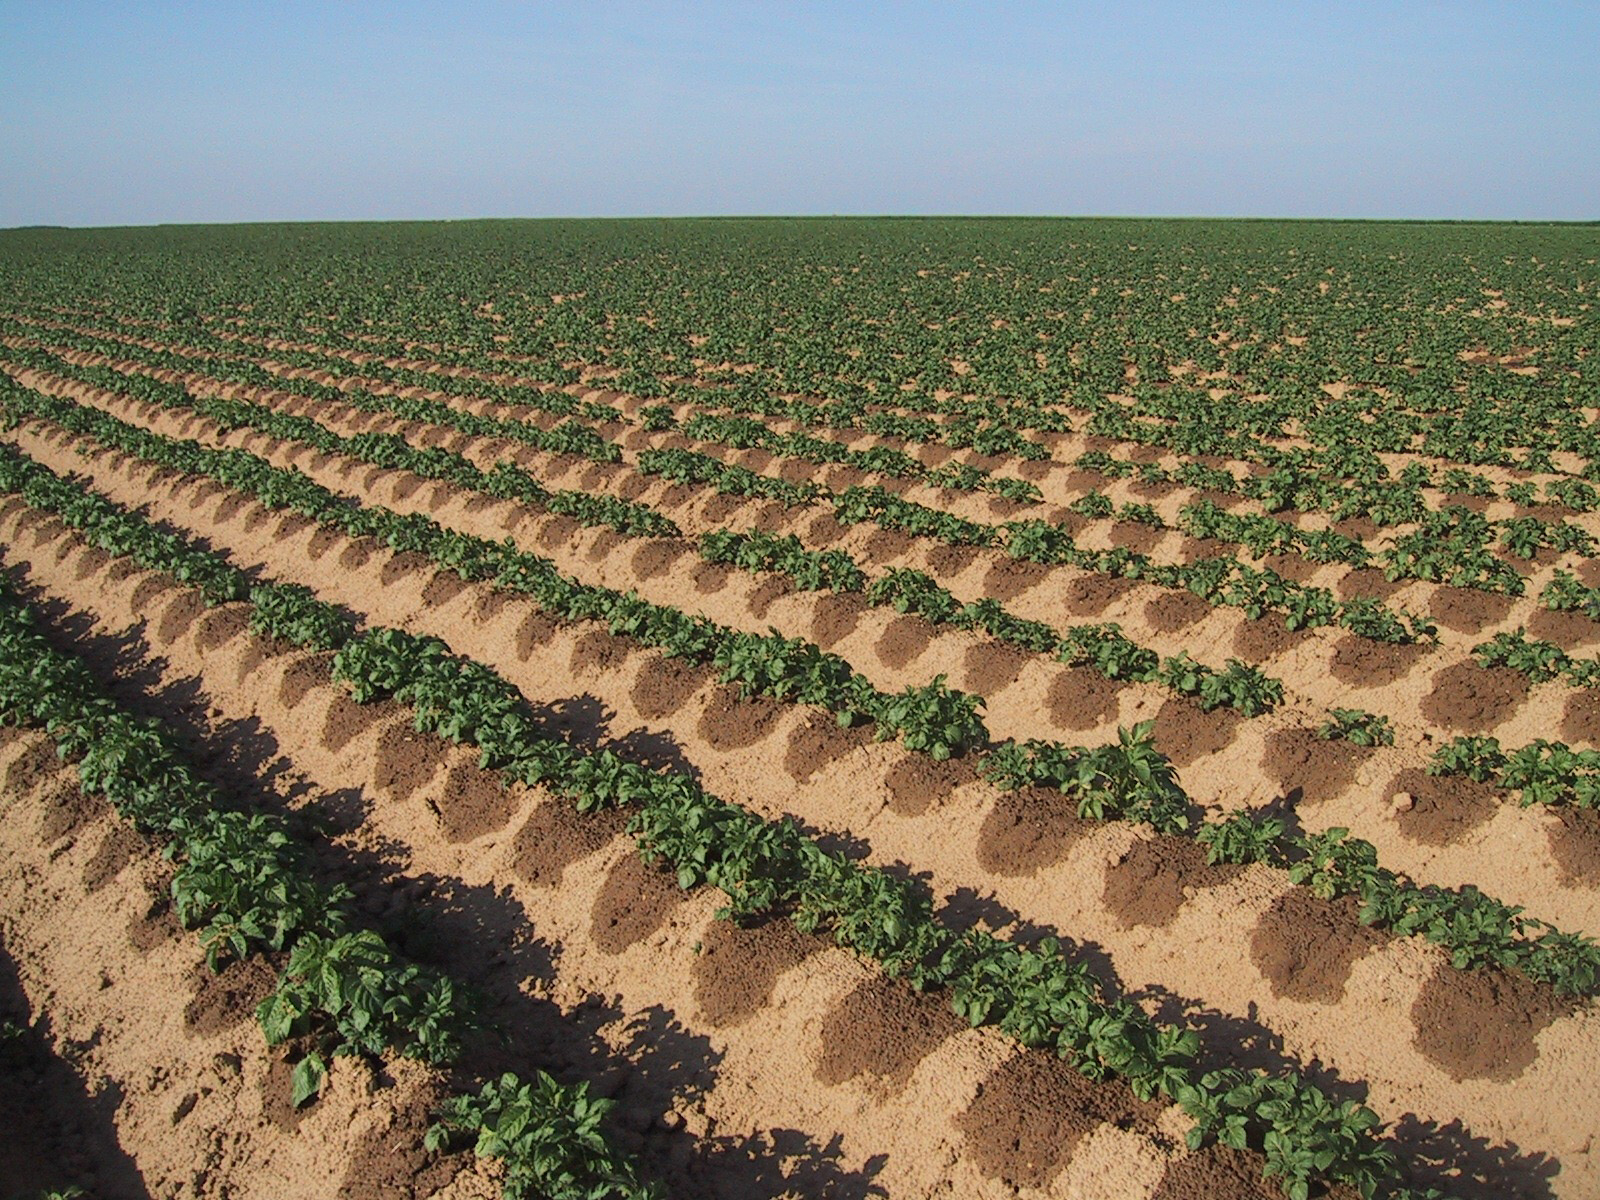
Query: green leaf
306, 1081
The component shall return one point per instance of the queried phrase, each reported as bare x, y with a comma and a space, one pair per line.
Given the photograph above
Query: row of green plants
389, 450
570, 436
1219, 581
933, 719
1564, 593
1448, 548
1291, 491
1036, 994
742, 433
1475, 929
1542, 772
1101, 646
242, 880
1539, 660
214, 353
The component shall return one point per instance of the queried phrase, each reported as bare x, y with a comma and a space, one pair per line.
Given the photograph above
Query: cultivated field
948, 708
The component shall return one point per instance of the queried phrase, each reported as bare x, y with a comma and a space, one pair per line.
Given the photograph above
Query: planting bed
833, 709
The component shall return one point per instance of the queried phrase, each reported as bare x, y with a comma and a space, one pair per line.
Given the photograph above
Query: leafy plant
1357, 727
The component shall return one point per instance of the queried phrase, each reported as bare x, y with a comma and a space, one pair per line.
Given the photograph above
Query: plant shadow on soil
585, 721
482, 935
57, 1134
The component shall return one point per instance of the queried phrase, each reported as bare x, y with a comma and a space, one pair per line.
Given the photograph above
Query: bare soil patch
1305, 947
1482, 1024
1149, 883
1474, 699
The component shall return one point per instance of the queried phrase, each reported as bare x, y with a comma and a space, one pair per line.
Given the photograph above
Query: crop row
1035, 994
1450, 547
1289, 492
1124, 780
1102, 646
1538, 660
241, 880
1219, 581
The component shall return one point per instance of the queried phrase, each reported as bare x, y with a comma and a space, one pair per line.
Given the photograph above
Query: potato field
800, 708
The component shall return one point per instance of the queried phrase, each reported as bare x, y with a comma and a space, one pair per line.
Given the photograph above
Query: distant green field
843, 310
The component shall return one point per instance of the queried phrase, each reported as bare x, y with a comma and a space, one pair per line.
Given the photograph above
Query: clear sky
137, 112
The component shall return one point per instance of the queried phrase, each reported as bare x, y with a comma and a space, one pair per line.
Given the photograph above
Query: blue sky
135, 113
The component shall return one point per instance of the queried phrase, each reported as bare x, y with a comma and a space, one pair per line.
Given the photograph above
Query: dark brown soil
1030, 1114
1317, 769
1258, 641
991, 666
917, 783
1467, 610
1213, 1173
883, 1028
559, 531
406, 760
1295, 567
474, 802
1082, 698
404, 565
1442, 808
181, 612
835, 617
663, 686
556, 835
731, 723
1149, 883
1362, 662
1028, 829
1091, 595
1185, 734
1482, 1024
1367, 581
347, 720
599, 651
904, 640
1580, 721
1305, 947
1569, 630
156, 926
1474, 699
1575, 845
946, 560
634, 902
768, 592
444, 587
884, 546
228, 997
736, 967
1172, 611
816, 742
220, 626
1135, 535
67, 810
601, 544
710, 577
119, 845
535, 632
825, 529
1008, 578
657, 557
391, 1162
312, 671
